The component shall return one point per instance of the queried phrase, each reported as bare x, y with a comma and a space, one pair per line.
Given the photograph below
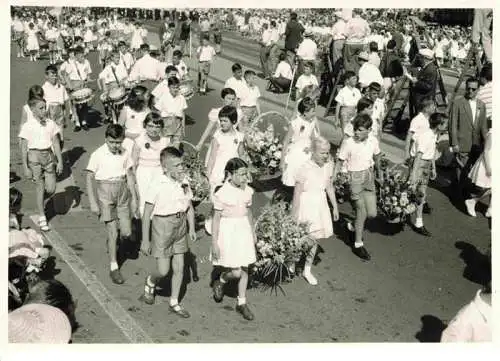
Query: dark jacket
425, 86
462, 130
293, 35
390, 65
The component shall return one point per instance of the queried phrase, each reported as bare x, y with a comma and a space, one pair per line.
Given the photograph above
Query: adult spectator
146, 68
467, 131
391, 67
424, 84
485, 92
368, 73
293, 37
338, 37
306, 52
265, 49
283, 76
357, 30
481, 31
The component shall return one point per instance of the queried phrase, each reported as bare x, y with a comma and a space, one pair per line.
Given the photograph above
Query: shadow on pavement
477, 265
432, 328
62, 202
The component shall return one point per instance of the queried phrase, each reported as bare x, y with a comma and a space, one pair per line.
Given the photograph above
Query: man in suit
424, 84
467, 131
293, 37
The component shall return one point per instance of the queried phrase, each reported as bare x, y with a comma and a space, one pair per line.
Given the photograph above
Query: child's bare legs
112, 231
307, 267
177, 275
359, 223
45, 186
242, 275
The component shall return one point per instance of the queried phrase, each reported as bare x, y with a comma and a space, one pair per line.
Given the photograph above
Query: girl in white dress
32, 44
146, 154
135, 111
233, 240
138, 36
314, 182
297, 144
480, 174
227, 143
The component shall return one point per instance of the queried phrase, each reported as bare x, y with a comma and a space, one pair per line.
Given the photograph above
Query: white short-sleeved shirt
107, 75
134, 121
182, 68
78, 71
127, 60
54, 94
52, 34
358, 156
37, 135
106, 165
146, 68
239, 86
369, 73
150, 156
233, 201
250, 97
425, 143
307, 50
348, 97
160, 89
168, 196
418, 125
283, 70
170, 106
306, 80
206, 53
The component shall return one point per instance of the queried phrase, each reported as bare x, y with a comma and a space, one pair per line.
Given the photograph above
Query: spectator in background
357, 30
373, 57
293, 37
338, 37
283, 76
390, 68
485, 92
368, 73
481, 31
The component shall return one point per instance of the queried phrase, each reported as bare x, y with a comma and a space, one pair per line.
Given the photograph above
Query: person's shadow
477, 265
432, 328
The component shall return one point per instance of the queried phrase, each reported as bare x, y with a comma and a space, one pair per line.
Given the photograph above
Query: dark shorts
113, 199
361, 181
169, 235
41, 162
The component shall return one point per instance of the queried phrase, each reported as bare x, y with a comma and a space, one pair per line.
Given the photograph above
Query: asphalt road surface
407, 293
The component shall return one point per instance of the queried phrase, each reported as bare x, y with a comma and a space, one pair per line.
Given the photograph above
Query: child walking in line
347, 99
41, 154
358, 154
113, 197
206, 54
249, 101
314, 183
168, 214
233, 240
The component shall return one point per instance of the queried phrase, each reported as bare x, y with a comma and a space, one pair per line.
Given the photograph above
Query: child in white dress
135, 111
297, 143
314, 182
233, 240
32, 44
227, 143
480, 174
146, 155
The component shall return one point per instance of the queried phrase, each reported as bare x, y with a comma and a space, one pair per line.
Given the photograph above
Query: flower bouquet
196, 177
396, 200
341, 184
263, 144
281, 242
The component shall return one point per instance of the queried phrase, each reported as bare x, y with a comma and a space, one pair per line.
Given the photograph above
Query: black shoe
427, 209
85, 127
116, 277
423, 231
218, 289
362, 253
77, 128
245, 311
179, 311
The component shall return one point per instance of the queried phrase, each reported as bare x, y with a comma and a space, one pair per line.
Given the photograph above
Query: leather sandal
179, 311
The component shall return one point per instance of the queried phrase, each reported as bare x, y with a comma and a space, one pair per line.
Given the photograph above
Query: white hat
24, 244
427, 53
39, 323
363, 55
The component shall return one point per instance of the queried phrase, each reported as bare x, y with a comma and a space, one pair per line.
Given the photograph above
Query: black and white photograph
250, 175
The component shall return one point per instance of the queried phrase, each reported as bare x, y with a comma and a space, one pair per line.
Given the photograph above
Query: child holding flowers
358, 154
423, 166
314, 182
233, 240
297, 144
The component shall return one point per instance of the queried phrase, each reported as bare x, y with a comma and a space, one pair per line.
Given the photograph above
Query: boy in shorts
168, 213
41, 154
113, 197
206, 54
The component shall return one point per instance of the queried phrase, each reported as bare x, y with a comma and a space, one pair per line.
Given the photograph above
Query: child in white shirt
249, 101
347, 99
307, 79
206, 54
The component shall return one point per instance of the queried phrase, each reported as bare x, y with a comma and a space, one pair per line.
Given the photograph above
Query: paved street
410, 288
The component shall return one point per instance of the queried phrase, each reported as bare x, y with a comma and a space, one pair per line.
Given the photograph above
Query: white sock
114, 266
419, 222
358, 244
242, 301
307, 269
173, 302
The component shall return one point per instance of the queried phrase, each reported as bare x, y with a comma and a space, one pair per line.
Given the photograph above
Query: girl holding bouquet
297, 144
233, 240
423, 166
480, 175
314, 183
359, 154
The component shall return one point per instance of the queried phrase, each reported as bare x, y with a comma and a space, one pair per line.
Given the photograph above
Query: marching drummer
125, 57
77, 74
180, 65
146, 68
113, 76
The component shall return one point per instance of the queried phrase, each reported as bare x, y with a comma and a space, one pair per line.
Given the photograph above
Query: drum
82, 96
117, 95
186, 88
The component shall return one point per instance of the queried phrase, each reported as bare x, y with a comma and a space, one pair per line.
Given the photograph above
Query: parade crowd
139, 176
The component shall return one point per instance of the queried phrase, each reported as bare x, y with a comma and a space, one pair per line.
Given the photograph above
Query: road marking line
128, 325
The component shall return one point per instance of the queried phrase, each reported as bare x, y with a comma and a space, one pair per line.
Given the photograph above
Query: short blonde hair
320, 142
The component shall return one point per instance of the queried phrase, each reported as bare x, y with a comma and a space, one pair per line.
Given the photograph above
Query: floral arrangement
396, 200
264, 150
281, 242
196, 177
341, 185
